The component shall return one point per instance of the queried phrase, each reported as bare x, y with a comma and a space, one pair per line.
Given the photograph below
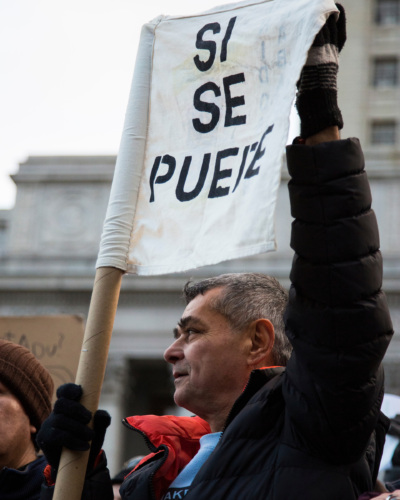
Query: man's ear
262, 335
32, 429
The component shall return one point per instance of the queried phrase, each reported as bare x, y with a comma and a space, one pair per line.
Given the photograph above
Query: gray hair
246, 297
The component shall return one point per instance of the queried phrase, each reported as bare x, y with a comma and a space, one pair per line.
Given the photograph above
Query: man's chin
181, 400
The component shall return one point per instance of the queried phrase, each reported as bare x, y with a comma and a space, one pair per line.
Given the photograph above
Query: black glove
316, 99
67, 426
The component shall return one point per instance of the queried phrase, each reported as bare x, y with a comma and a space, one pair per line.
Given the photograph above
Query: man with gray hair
245, 298
311, 430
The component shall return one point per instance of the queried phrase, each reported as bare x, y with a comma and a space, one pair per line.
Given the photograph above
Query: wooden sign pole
90, 374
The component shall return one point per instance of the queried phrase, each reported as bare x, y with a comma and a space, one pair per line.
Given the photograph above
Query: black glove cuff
318, 110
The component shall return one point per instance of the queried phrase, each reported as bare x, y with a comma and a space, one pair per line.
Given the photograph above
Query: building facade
369, 91
49, 240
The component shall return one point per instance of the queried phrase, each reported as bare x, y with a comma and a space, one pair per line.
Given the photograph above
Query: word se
200, 101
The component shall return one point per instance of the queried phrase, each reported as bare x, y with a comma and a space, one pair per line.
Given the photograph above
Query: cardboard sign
55, 340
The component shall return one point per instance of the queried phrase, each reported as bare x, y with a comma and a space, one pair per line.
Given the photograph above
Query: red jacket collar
181, 435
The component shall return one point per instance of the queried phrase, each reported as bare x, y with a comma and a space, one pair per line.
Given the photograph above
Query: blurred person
390, 464
393, 495
26, 390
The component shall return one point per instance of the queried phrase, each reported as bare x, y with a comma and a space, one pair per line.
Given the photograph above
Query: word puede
242, 161
247, 165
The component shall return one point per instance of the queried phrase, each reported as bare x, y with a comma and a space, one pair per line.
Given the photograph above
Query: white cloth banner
198, 169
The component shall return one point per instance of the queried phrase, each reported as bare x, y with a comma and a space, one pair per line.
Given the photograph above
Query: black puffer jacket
313, 431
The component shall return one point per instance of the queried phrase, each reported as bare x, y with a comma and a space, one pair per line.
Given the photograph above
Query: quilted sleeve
337, 317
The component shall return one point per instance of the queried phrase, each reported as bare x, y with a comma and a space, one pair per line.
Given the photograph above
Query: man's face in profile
209, 359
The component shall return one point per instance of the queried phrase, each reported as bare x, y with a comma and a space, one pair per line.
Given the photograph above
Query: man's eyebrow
183, 322
193, 320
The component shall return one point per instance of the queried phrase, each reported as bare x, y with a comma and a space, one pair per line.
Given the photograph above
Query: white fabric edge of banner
117, 228
187, 264
219, 9
153, 270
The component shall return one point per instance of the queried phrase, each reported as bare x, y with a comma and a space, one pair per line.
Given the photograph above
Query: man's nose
174, 352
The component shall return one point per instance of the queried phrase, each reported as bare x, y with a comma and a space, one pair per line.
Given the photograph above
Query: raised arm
337, 318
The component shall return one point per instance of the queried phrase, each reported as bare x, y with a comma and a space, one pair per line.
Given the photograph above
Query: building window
387, 12
386, 70
383, 132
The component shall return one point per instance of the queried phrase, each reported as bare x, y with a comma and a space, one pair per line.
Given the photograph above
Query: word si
228, 81
215, 191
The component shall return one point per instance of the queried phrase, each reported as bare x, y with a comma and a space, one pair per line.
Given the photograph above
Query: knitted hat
23, 374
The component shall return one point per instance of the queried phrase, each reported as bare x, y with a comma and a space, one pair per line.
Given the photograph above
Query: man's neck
216, 420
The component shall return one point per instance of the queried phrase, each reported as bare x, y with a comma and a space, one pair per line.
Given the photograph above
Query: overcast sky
66, 69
